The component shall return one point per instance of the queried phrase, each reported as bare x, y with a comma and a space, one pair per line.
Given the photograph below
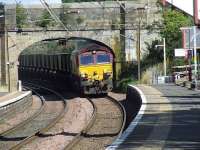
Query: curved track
106, 124
38, 123
4, 133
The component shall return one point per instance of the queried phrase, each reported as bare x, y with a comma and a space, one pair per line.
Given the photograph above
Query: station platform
8, 98
3, 94
169, 118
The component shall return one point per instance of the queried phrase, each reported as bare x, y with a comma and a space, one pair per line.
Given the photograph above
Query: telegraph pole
122, 31
139, 49
140, 12
8, 59
195, 56
2, 45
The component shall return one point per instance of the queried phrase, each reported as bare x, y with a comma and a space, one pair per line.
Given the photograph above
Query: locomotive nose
95, 75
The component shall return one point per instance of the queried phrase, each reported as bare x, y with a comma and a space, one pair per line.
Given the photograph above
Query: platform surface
171, 120
8, 98
2, 94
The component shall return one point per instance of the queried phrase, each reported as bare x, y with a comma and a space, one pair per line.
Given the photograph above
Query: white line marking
14, 99
133, 124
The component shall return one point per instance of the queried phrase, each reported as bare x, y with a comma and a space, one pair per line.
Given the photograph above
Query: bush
122, 84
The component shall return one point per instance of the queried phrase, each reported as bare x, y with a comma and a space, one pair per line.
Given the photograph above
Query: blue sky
29, 2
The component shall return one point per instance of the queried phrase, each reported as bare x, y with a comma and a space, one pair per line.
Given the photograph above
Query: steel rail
123, 111
51, 124
29, 119
77, 138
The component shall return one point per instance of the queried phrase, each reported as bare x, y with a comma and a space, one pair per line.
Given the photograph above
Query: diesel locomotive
87, 67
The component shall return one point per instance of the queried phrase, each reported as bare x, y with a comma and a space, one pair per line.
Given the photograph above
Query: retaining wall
132, 104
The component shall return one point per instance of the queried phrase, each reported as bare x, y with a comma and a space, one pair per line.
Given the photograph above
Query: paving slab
185, 126
171, 120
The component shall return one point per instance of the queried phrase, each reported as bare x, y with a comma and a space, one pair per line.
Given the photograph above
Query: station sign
180, 52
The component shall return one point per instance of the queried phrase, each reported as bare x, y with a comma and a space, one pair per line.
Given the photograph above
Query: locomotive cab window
103, 58
86, 59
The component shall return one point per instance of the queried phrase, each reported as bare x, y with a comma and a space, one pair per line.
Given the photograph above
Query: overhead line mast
53, 15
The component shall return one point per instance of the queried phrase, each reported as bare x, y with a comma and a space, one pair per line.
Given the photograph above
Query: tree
173, 21
79, 20
149, 59
44, 20
21, 15
67, 18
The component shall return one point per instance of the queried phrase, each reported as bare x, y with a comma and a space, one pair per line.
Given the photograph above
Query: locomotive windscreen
103, 58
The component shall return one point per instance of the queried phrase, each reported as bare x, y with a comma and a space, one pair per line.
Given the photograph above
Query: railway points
167, 120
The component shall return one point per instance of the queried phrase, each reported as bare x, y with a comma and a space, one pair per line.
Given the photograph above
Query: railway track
41, 108
106, 124
40, 122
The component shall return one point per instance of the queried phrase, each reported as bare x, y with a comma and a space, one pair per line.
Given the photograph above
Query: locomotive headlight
93, 52
84, 76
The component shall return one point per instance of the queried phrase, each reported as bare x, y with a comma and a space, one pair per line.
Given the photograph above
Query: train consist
87, 67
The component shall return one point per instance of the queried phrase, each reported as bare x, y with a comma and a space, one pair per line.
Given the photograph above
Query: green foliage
21, 15
154, 55
122, 84
45, 20
51, 47
179, 61
79, 20
67, 18
150, 72
173, 21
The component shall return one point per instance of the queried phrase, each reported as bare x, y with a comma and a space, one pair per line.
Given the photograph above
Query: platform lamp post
195, 55
164, 55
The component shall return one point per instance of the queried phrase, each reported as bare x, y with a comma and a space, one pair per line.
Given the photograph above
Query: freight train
88, 67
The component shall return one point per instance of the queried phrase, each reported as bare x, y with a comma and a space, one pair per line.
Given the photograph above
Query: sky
29, 2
